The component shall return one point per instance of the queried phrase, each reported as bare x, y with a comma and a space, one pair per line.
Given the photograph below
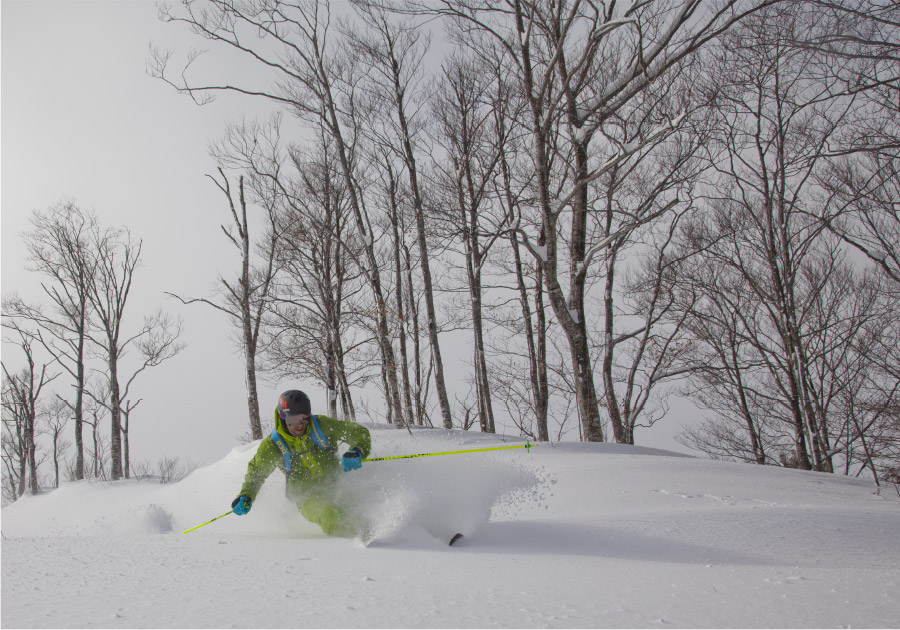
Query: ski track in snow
574, 535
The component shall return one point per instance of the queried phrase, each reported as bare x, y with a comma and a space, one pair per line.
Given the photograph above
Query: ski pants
326, 515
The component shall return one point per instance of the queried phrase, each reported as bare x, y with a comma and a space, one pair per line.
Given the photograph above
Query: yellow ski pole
527, 445
188, 531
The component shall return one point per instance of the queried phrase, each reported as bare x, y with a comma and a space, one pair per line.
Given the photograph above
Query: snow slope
574, 535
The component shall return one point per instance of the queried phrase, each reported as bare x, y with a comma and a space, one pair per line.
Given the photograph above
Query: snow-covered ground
574, 535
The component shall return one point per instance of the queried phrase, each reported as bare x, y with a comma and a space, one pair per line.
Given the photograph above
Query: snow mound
393, 500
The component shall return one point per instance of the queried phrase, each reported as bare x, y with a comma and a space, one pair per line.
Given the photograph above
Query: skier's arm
349, 433
259, 468
358, 436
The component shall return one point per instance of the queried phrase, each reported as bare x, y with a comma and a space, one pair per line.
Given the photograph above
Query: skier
303, 446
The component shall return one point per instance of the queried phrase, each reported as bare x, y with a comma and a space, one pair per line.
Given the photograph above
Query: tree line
80, 333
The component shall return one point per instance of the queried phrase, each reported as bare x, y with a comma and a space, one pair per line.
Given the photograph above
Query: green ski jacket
312, 467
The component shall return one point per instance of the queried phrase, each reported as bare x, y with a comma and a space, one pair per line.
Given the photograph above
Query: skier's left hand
352, 459
241, 505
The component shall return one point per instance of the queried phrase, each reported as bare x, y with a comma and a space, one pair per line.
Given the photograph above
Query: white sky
82, 120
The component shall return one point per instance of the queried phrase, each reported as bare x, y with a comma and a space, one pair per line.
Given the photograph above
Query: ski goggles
298, 420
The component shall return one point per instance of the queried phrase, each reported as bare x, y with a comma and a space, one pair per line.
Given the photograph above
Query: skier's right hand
241, 505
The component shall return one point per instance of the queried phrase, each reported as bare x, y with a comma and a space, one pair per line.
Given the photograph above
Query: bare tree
863, 35
246, 299
775, 143
653, 349
22, 392
313, 322
156, 342
535, 339
511, 188
465, 108
720, 307
518, 327
95, 410
57, 413
406, 312
865, 393
14, 453
58, 246
640, 342
115, 257
845, 323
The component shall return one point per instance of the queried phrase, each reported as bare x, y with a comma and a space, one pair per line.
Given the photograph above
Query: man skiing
303, 446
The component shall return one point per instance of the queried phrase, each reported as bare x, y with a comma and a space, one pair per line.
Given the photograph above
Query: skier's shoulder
328, 421
343, 426
267, 448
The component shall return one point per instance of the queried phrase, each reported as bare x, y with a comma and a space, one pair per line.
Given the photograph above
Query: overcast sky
83, 121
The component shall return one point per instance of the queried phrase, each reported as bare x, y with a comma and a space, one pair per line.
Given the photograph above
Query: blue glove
352, 459
241, 505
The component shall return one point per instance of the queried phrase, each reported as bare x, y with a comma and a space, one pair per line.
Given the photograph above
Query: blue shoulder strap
279, 442
317, 436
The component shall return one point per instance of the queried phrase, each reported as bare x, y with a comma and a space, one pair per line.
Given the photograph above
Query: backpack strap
285, 452
318, 437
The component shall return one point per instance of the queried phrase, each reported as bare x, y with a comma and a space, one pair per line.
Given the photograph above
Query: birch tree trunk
402, 311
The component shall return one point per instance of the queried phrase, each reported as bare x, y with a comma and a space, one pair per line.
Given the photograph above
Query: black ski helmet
293, 402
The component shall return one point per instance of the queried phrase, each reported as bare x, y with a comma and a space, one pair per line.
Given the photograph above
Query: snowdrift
440, 497
572, 535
